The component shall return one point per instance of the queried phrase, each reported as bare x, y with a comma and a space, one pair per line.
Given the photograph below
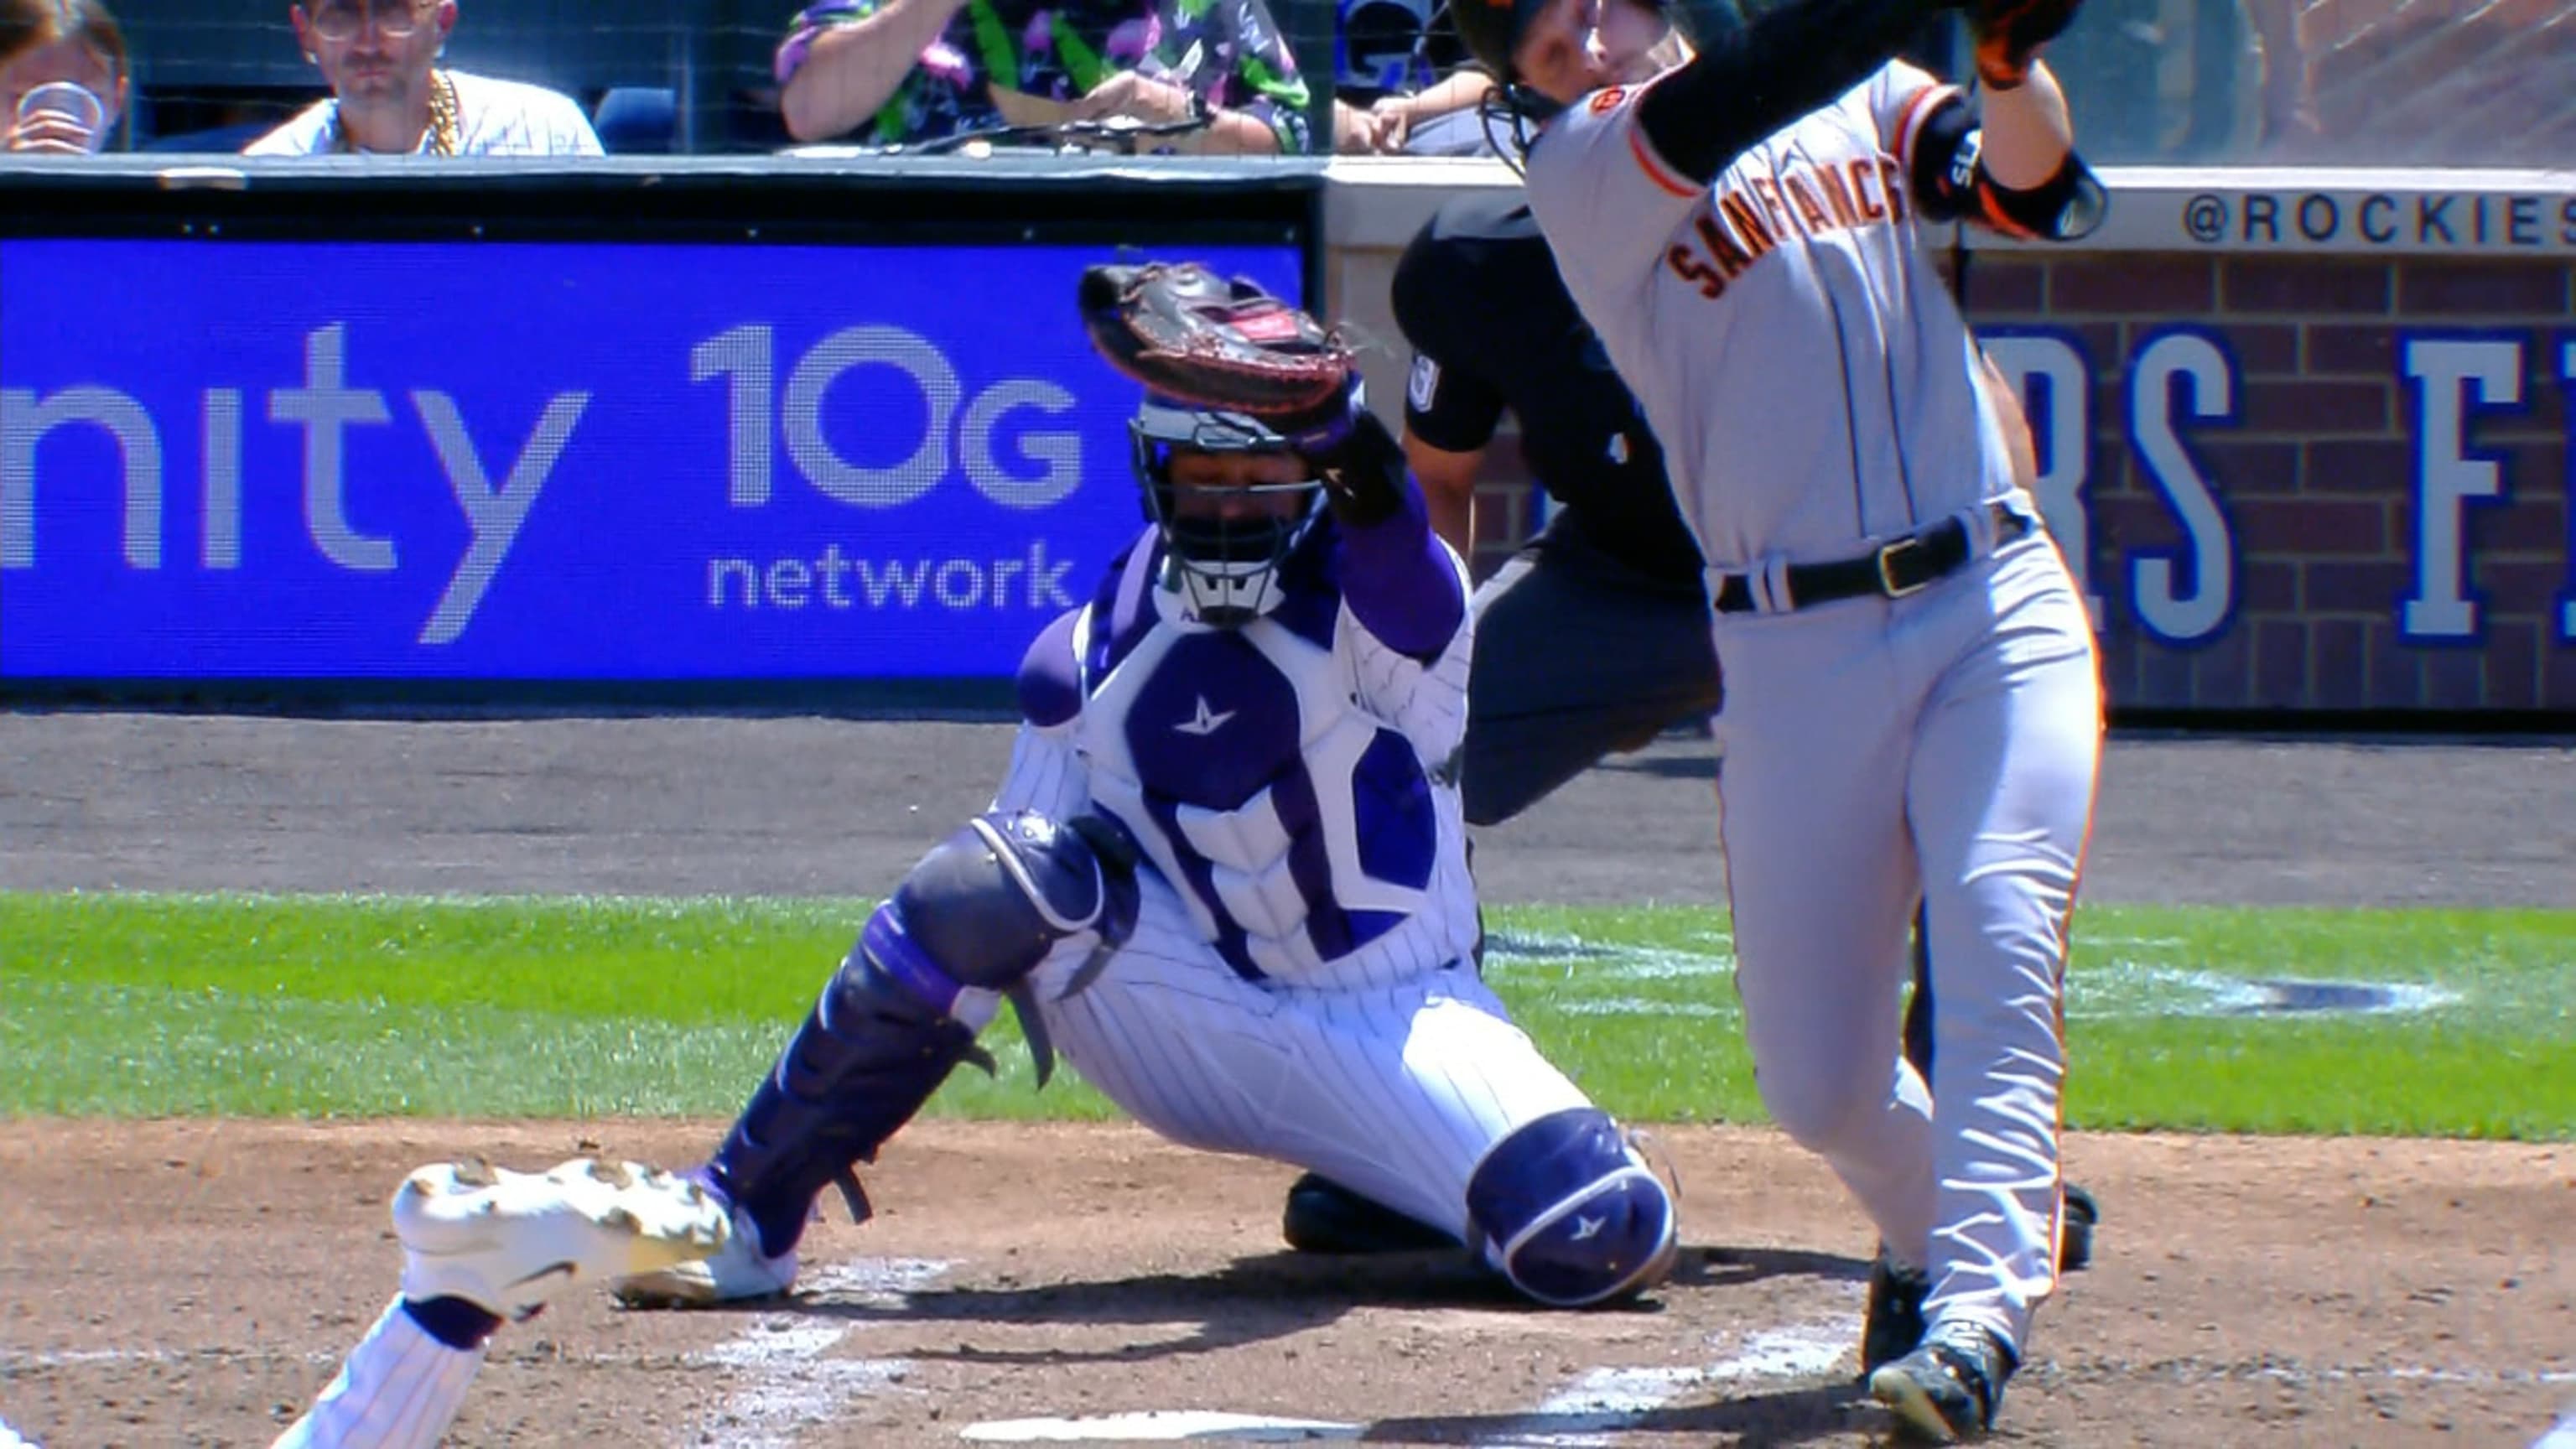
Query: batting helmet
1492, 29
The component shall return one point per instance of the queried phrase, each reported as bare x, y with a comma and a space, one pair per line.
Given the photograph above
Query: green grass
240, 1005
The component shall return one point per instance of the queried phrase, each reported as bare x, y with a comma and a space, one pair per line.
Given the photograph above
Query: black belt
1891, 571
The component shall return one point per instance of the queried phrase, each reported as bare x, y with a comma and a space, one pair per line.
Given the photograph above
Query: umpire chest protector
1304, 834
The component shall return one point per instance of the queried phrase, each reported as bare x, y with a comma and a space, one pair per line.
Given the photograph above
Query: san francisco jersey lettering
1875, 426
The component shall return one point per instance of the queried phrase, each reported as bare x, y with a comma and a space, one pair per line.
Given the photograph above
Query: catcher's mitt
2010, 32
1227, 346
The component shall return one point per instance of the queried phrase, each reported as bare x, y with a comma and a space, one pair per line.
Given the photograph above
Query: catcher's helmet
1224, 569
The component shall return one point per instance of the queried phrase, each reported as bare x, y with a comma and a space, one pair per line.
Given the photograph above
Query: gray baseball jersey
1821, 437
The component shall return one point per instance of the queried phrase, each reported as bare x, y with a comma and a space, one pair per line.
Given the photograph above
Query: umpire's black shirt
1492, 327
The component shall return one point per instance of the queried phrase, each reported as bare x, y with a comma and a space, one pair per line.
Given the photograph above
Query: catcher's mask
1222, 546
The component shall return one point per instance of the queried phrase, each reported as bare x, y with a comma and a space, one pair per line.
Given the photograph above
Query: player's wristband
1329, 427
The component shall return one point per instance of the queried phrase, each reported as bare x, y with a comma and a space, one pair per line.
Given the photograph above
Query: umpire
1595, 637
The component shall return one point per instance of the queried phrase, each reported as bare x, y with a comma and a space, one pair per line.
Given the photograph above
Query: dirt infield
195, 1282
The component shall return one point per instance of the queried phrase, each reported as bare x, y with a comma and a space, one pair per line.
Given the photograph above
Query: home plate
1162, 1426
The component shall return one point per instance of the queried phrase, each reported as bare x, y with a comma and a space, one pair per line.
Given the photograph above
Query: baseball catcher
1224, 876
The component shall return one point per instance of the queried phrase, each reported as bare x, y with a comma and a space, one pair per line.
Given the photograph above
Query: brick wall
2318, 473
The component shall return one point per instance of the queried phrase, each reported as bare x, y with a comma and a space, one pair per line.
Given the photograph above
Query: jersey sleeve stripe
1656, 171
1909, 122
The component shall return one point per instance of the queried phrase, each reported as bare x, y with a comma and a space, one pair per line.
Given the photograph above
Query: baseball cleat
1947, 1390
1892, 1325
738, 1272
2075, 1236
1322, 1216
509, 1242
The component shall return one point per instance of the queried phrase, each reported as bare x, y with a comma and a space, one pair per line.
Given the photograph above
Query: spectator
389, 96
67, 47
897, 72
1379, 59
1392, 76
1442, 119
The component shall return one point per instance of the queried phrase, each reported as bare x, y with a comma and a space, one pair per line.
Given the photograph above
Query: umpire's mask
1227, 521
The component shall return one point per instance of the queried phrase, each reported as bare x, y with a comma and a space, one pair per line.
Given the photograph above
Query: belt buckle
1886, 575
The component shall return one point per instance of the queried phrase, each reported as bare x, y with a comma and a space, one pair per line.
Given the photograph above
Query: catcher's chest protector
1305, 834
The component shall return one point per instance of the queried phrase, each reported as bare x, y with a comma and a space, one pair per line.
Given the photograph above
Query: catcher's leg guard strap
1570, 1213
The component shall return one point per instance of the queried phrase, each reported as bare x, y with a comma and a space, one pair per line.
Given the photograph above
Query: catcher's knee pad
988, 905
1570, 1213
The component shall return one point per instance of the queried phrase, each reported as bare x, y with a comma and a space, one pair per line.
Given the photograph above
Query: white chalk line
2129, 984
1161, 1426
1606, 1401
784, 1382
1600, 1403
1643, 1006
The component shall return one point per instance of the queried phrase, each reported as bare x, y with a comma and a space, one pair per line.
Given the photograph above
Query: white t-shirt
493, 118
1784, 329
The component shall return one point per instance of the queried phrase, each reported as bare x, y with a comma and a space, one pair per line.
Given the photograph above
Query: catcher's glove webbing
2010, 32
1227, 346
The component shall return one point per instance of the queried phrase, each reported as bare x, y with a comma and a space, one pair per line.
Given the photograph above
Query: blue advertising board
552, 461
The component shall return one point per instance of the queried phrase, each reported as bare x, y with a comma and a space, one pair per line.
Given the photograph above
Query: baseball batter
1224, 876
1917, 707
1594, 637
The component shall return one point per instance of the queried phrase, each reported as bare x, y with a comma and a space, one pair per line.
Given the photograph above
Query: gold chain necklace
446, 132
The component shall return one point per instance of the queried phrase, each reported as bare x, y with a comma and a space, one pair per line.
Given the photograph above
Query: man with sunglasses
389, 95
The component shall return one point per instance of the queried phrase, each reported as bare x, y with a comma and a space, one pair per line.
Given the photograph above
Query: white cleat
509, 1242
737, 1273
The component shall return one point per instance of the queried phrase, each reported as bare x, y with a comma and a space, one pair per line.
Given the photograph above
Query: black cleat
1325, 1217
1947, 1391
1893, 1324
2075, 1240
